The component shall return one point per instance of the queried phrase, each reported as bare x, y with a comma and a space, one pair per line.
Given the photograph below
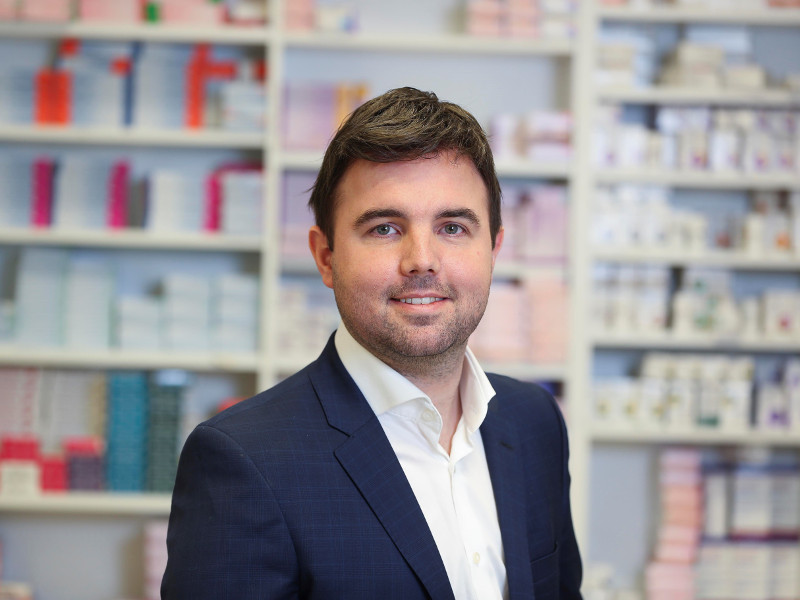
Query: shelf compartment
204, 242
221, 34
670, 342
115, 358
787, 17
695, 436
700, 179
132, 137
444, 44
730, 259
89, 503
685, 95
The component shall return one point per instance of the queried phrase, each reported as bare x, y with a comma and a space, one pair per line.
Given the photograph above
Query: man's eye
453, 229
384, 229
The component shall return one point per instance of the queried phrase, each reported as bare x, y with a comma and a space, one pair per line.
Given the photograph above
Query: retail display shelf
138, 239
90, 503
701, 179
526, 168
239, 362
308, 160
312, 159
527, 371
528, 270
445, 44
789, 17
604, 434
776, 98
221, 34
132, 137
672, 342
727, 259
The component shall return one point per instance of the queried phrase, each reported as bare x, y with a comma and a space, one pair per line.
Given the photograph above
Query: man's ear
498, 243
322, 253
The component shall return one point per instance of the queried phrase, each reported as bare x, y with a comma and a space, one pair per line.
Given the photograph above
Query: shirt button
428, 416
476, 558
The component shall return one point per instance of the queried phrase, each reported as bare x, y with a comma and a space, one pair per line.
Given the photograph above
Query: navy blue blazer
297, 493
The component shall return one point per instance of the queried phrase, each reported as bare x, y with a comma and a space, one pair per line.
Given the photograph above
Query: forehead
428, 183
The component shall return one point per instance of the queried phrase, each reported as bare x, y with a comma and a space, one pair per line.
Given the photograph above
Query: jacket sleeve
570, 565
227, 537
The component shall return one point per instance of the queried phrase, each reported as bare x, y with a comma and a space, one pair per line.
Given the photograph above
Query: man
392, 467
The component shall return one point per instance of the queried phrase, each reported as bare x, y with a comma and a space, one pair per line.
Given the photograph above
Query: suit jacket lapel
503, 455
369, 460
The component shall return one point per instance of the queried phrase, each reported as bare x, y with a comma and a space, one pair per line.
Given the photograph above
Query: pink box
46, 10
120, 11
8, 9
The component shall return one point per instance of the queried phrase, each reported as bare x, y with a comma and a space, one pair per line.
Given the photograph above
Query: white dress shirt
454, 491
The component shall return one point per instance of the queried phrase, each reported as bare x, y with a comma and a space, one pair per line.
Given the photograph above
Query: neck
439, 377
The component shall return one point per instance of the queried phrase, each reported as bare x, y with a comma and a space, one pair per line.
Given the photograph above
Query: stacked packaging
242, 194
535, 220
165, 398
85, 465
87, 305
16, 190
186, 312
159, 86
536, 334
155, 557
296, 216
175, 202
323, 15
40, 296
90, 193
670, 576
235, 313
308, 317
521, 18
315, 110
99, 82
119, 11
126, 431
540, 136
137, 323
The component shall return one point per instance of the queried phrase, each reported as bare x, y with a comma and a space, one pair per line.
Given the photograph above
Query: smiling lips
429, 300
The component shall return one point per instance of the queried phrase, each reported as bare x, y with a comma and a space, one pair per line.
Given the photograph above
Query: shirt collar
386, 389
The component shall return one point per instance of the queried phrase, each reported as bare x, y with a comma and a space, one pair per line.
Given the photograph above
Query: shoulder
290, 404
514, 395
530, 407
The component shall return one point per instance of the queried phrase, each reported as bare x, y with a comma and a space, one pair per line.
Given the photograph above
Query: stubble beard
423, 346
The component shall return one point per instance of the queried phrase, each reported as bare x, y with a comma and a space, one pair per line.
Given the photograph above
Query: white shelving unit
576, 61
603, 440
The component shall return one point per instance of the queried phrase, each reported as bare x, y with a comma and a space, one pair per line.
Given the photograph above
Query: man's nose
420, 255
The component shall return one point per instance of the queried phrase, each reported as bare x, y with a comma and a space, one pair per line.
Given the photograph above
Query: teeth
420, 300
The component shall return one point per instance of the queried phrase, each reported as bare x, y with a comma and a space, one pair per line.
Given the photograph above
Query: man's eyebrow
377, 213
460, 213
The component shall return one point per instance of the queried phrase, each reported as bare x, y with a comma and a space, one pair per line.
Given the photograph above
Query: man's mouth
429, 300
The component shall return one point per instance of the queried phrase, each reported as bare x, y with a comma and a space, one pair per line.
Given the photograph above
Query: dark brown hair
403, 124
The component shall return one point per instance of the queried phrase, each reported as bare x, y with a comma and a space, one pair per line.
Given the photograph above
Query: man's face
413, 255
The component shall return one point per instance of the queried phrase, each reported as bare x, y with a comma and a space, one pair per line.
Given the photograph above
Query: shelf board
239, 35
687, 95
90, 503
312, 160
527, 371
128, 359
309, 160
671, 342
139, 239
695, 436
727, 259
443, 44
525, 168
787, 17
700, 179
131, 137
